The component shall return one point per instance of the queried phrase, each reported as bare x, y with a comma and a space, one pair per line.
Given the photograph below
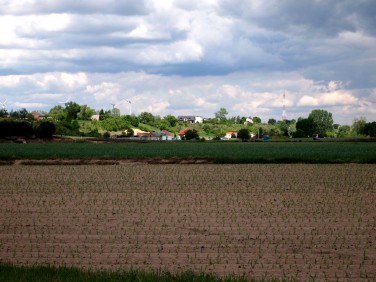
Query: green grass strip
50, 273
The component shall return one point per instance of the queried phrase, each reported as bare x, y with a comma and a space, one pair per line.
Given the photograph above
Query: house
38, 116
191, 119
182, 132
138, 132
231, 134
95, 117
248, 120
166, 135
143, 134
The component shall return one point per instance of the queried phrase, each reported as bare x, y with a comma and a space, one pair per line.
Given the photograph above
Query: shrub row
16, 128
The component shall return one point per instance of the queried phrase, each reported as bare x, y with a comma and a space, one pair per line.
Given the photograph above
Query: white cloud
308, 101
179, 52
29, 105
74, 80
162, 95
338, 97
241, 55
105, 92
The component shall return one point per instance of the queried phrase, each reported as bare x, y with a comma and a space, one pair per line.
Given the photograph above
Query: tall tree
103, 115
358, 125
322, 121
172, 120
72, 109
3, 113
85, 113
58, 113
146, 118
244, 134
369, 129
256, 120
132, 120
221, 114
191, 134
304, 127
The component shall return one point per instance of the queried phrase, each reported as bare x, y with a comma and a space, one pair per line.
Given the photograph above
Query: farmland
217, 152
303, 221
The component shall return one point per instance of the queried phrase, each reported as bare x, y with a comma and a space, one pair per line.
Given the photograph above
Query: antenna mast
284, 108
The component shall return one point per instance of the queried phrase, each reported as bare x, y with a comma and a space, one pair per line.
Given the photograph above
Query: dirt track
302, 221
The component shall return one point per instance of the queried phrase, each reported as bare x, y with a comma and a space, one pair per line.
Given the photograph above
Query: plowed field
262, 221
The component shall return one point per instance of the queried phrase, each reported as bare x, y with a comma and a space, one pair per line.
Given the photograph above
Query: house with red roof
166, 135
231, 134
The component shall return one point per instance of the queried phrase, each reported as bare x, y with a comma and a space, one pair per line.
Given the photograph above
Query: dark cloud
306, 17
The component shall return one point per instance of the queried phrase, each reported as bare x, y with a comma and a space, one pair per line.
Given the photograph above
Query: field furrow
259, 220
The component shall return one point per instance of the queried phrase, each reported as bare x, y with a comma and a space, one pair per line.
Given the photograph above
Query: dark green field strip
226, 152
49, 273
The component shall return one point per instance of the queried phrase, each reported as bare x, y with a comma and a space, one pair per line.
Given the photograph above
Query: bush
191, 134
45, 129
299, 134
15, 128
106, 135
244, 134
22, 128
94, 133
68, 128
5, 128
129, 132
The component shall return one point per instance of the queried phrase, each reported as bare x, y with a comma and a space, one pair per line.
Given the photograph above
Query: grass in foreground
217, 152
50, 273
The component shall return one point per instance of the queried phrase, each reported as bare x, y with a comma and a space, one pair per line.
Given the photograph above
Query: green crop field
217, 152
50, 273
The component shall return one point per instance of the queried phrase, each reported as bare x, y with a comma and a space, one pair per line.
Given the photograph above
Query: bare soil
262, 221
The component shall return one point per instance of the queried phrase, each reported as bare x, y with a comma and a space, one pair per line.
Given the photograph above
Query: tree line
77, 120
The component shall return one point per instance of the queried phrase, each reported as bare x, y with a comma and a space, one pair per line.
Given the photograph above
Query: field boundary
106, 161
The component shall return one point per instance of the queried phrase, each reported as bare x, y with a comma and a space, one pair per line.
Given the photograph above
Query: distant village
73, 119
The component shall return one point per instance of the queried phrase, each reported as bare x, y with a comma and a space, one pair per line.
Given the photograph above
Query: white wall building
191, 119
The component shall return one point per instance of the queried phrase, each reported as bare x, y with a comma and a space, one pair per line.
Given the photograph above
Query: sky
191, 57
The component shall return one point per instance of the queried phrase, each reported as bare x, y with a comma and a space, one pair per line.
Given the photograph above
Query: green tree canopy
85, 113
358, 125
45, 129
322, 121
72, 109
191, 134
304, 127
369, 129
244, 134
172, 120
256, 120
132, 120
3, 113
58, 113
344, 131
146, 118
221, 114
103, 115
21, 114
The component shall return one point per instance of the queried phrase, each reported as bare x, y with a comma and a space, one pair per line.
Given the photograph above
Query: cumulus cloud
29, 105
183, 57
340, 97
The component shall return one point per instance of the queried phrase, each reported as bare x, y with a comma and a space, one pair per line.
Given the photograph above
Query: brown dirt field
261, 221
